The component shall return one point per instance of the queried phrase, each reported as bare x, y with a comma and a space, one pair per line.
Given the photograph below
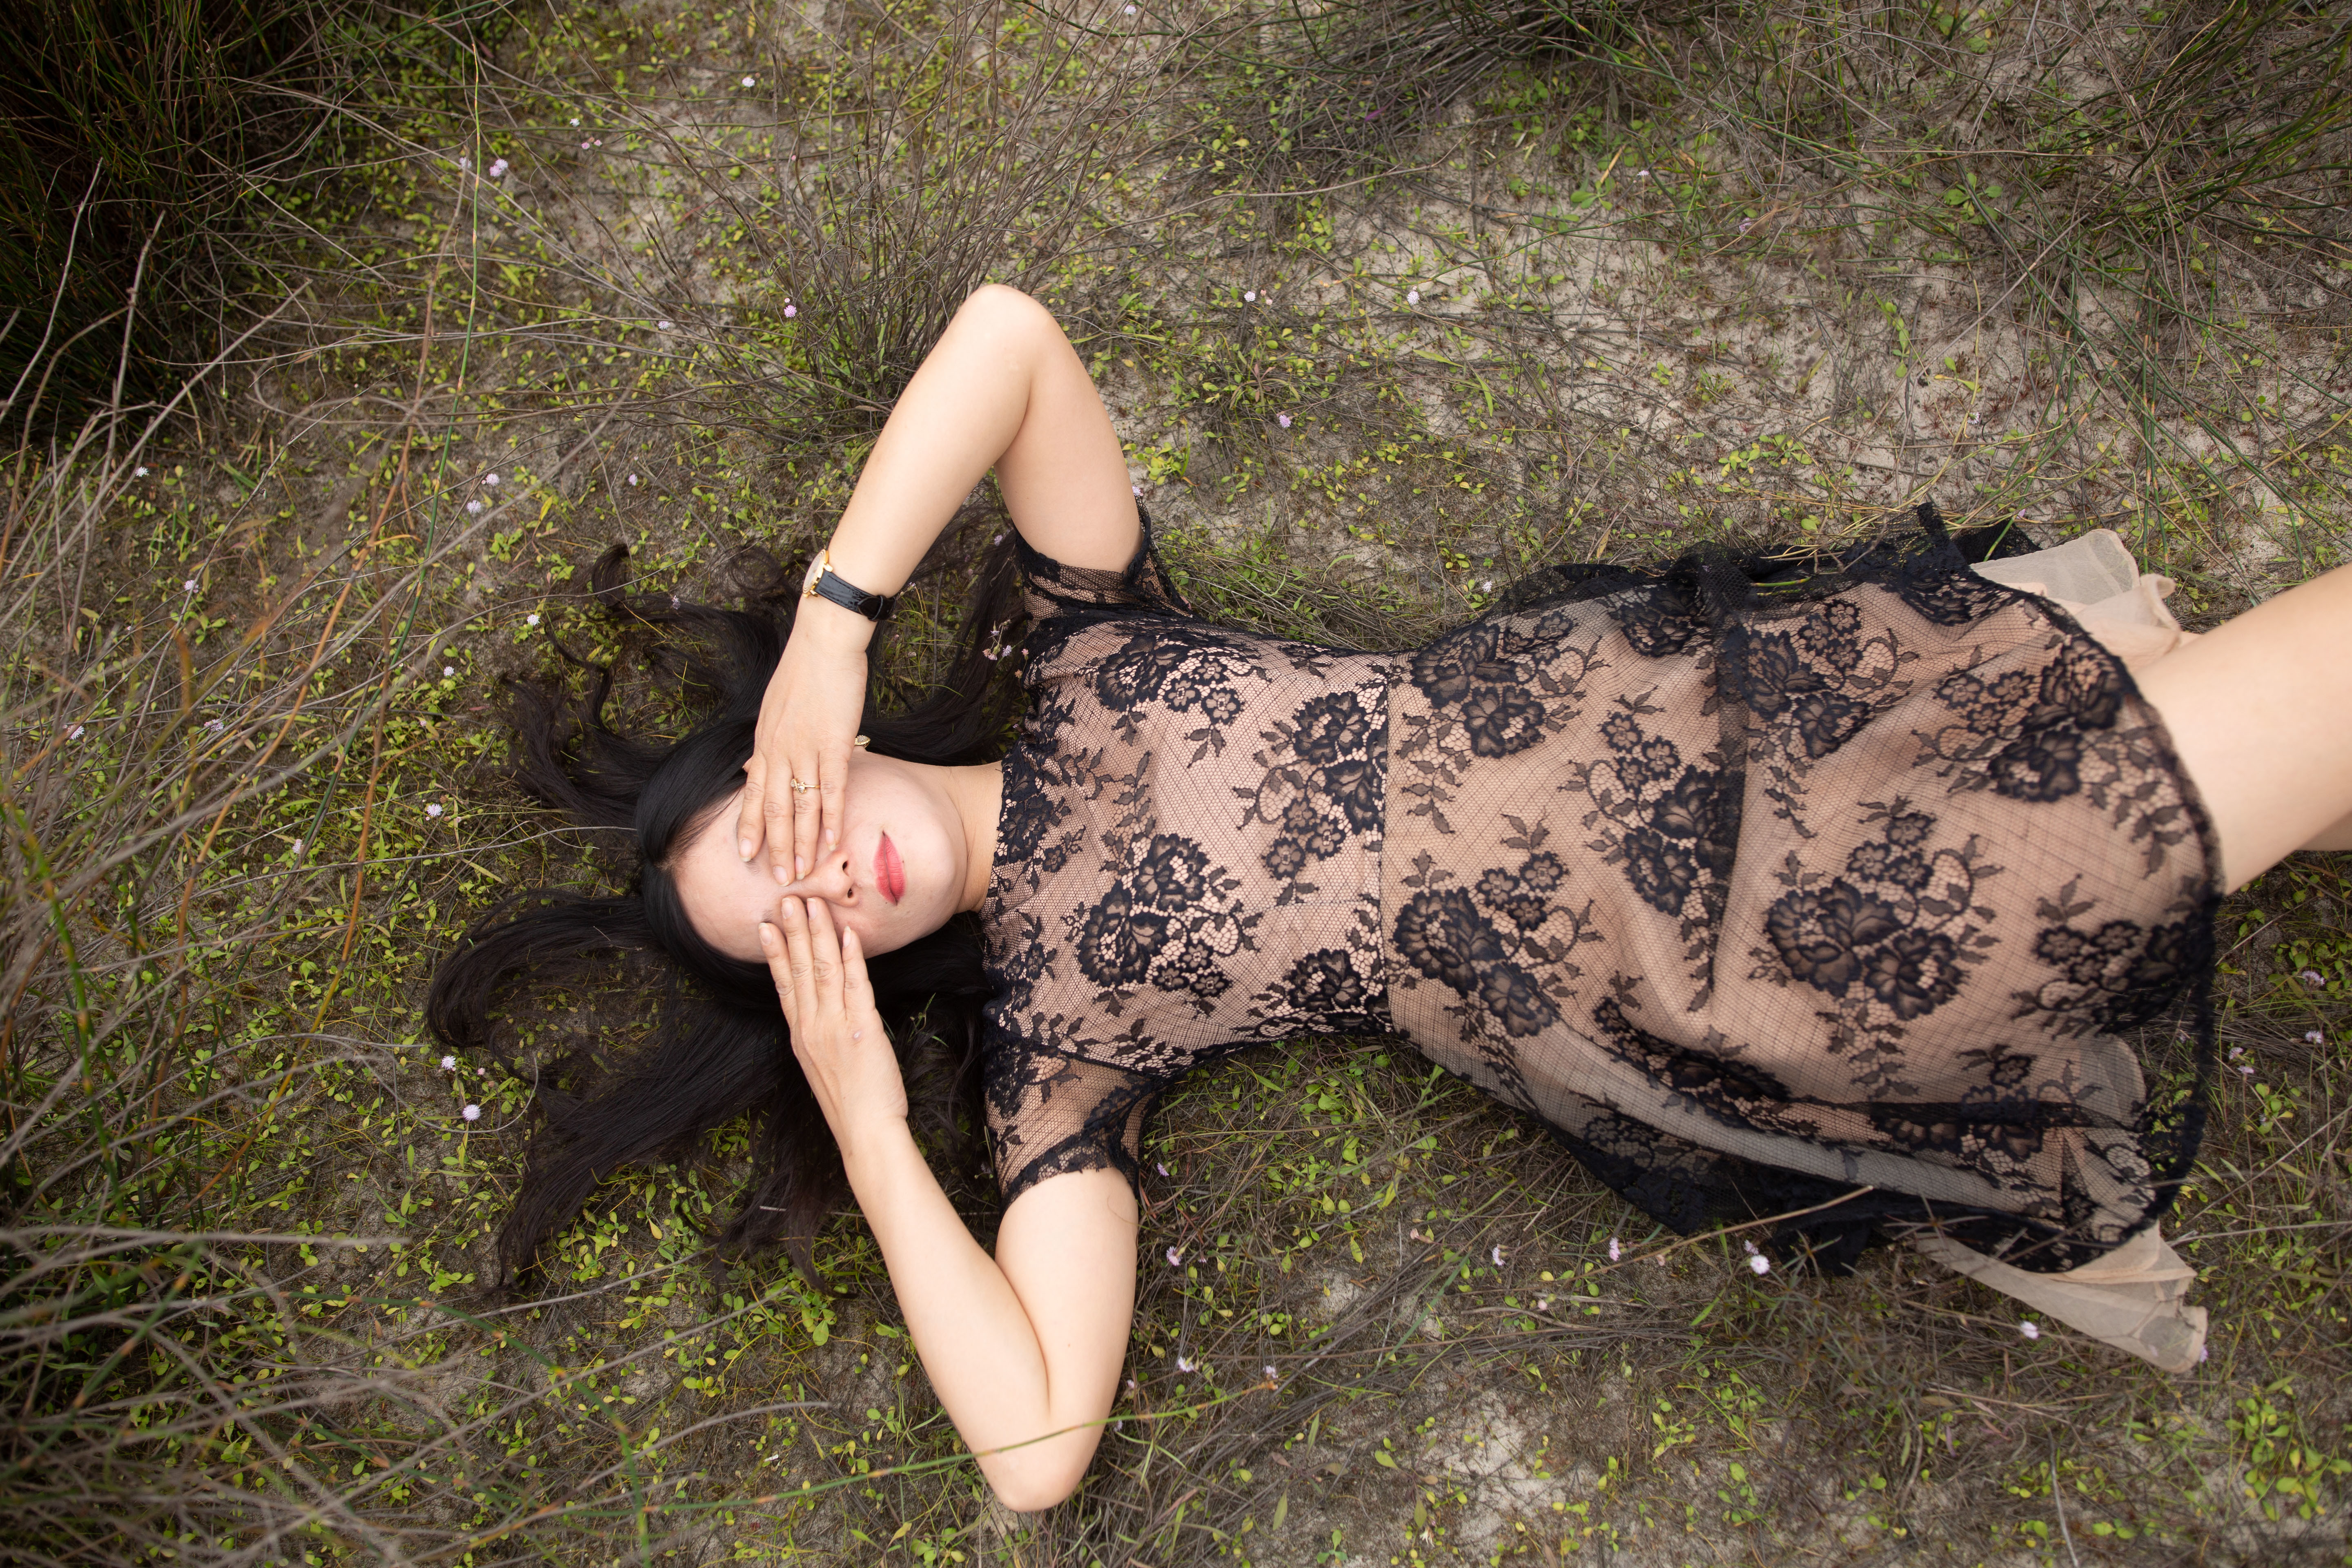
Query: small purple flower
464, 161
1175, 1257
473, 505
584, 145
661, 326
447, 670
2315, 1038
632, 478
1130, 10
2029, 1329
491, 480
189, 586
1249, 295
140, 472
1160, 1168
1498, 1256
750, 81
75, 734
1185, 1363
497, 169
472, 1114
1412, 295
449, 1064
791, 311
2313, 977
1744, 224
1283, 420
434, 810
215, 726
1616, 1251
1269, 1372
2248, 1071
1760, 1264
531, 619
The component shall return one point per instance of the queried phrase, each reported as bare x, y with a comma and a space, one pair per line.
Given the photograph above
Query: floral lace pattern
1188, 860
1833, 894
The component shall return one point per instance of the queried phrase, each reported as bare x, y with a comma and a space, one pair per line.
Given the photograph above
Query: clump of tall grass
932, 152
1304, 99
2071, 147
154, 143
159, 1376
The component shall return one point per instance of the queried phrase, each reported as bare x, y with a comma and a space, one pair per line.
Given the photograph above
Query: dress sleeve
1049, 1114
2094, 579
1144, 585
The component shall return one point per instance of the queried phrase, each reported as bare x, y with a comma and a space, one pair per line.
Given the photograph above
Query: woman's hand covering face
838, 1035
901, 865
808, 724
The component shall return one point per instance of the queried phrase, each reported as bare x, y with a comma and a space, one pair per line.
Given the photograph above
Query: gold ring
798, 786
863, 742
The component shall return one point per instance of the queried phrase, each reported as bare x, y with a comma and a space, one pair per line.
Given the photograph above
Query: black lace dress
1757, 893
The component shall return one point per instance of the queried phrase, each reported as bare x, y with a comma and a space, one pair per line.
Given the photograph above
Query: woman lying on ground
1765, 894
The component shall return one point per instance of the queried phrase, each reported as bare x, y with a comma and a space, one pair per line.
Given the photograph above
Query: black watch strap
828, 584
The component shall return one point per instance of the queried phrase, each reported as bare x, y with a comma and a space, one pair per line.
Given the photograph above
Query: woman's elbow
1006, 308
1034, 1486
1027, 1497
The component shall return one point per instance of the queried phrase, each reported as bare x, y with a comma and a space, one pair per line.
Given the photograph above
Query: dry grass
1611, 286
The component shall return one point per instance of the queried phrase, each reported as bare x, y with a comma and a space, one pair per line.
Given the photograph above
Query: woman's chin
904, 932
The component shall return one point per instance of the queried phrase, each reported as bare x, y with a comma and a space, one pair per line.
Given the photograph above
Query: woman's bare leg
2261, 713
2337, 838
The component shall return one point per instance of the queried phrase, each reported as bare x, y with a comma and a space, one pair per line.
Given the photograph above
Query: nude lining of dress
2131, 1298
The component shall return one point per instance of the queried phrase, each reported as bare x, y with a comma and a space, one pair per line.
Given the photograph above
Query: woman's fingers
833, 785
808, 806
772, 943
799, 962
750, 818
824, 959
782, 805
856, 986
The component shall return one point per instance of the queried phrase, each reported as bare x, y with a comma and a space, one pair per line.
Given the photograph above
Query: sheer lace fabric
1187, 861
1757, 894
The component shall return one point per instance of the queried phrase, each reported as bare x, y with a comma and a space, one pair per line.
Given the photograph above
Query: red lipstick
889, 872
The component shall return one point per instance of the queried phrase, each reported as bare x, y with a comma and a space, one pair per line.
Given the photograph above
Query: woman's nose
828, 879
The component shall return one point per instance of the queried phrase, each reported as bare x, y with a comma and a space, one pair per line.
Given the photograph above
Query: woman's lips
889, 873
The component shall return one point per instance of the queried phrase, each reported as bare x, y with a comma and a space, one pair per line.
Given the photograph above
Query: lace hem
1051, 1115
1143, 585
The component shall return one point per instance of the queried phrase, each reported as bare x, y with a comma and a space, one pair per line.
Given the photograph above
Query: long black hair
718, 1047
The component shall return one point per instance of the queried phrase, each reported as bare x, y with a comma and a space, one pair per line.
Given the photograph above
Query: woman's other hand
808, 722
821, 978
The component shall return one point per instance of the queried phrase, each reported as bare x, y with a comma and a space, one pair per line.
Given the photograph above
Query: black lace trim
1144, 586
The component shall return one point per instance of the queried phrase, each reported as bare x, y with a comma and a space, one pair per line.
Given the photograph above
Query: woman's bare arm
1023, 1349
1002, 389
2256, 709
